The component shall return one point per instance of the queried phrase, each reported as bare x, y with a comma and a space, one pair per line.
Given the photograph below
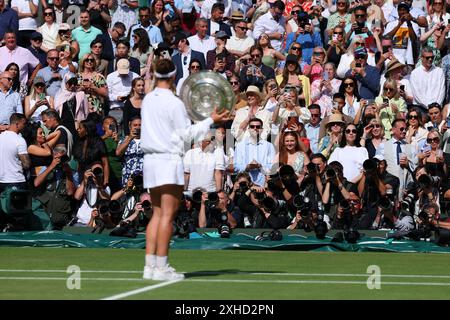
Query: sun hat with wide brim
254, 90
335, 118
394, 64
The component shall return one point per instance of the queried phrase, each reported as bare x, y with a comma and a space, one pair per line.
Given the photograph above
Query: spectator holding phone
367, 77
292, 75
111, 139
359, 26
390, 105
336, 46
432, 156
37, 101
129, 149
323, 89
415, 132
132, 106
288, 106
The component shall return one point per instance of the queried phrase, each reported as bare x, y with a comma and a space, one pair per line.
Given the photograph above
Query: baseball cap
36, 35
123, 66
360, 51
64, 26
38, 80
221, 34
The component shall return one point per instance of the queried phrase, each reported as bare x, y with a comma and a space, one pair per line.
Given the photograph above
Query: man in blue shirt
10, 101
253, 154
368, 77
154, 34
52, 74
306, 36
9, 20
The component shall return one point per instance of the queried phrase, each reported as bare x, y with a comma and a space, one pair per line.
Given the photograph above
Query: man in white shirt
207, 6
404, 31
273, 24
119, 86
14, 157
201, 41
240, 42
427, 81
28, 12
253, 154
203, 167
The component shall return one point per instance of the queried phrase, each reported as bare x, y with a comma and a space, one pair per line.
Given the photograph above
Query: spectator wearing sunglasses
372, 137
432, 158
194, 66
336, 45
367, 77
240, 43
9, 100
390, 105
185, 55
349, 153
427, 80
340, 18
292, 23
404, 31
253, 154
399, 155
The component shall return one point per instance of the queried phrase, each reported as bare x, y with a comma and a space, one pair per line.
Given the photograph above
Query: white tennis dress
165, 128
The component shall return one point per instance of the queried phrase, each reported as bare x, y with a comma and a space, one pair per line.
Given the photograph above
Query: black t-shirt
129, 111
97, 20
95, 150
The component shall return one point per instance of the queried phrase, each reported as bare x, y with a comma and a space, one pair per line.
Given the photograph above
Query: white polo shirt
11, 146
201, 165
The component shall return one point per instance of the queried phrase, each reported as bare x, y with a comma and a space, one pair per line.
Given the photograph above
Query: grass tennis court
40, 273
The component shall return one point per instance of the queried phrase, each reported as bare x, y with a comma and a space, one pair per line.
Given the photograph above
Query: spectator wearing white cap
119, 87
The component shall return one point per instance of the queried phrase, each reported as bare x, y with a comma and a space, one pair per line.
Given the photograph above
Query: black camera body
409, 199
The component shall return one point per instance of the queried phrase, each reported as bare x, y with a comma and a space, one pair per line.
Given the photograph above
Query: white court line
228, 280
245, 273
141, 290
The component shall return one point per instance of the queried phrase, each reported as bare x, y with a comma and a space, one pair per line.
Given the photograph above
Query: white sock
150, 260
161, 261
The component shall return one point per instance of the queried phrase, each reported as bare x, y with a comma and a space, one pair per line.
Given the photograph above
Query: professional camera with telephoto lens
270, 205
370, 166
385, 204
410, 197
213, 200
312, 168
302, 204
426, 181
330, 173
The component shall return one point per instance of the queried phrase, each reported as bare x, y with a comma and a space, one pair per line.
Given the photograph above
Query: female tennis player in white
165, 128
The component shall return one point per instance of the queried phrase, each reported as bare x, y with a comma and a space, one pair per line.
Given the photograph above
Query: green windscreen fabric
210, 240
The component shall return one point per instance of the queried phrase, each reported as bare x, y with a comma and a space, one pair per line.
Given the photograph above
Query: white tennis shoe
166, 273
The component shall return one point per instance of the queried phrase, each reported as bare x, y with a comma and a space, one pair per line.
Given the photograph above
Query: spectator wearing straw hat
254, 109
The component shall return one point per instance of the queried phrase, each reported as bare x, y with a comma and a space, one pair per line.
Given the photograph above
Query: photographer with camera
348, 213
429, 219
337, 188
90, 191
136, 220
215, 210
55, 189
313, 220
263, 209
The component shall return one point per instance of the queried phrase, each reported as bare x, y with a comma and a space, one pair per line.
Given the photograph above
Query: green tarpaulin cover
210, 240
